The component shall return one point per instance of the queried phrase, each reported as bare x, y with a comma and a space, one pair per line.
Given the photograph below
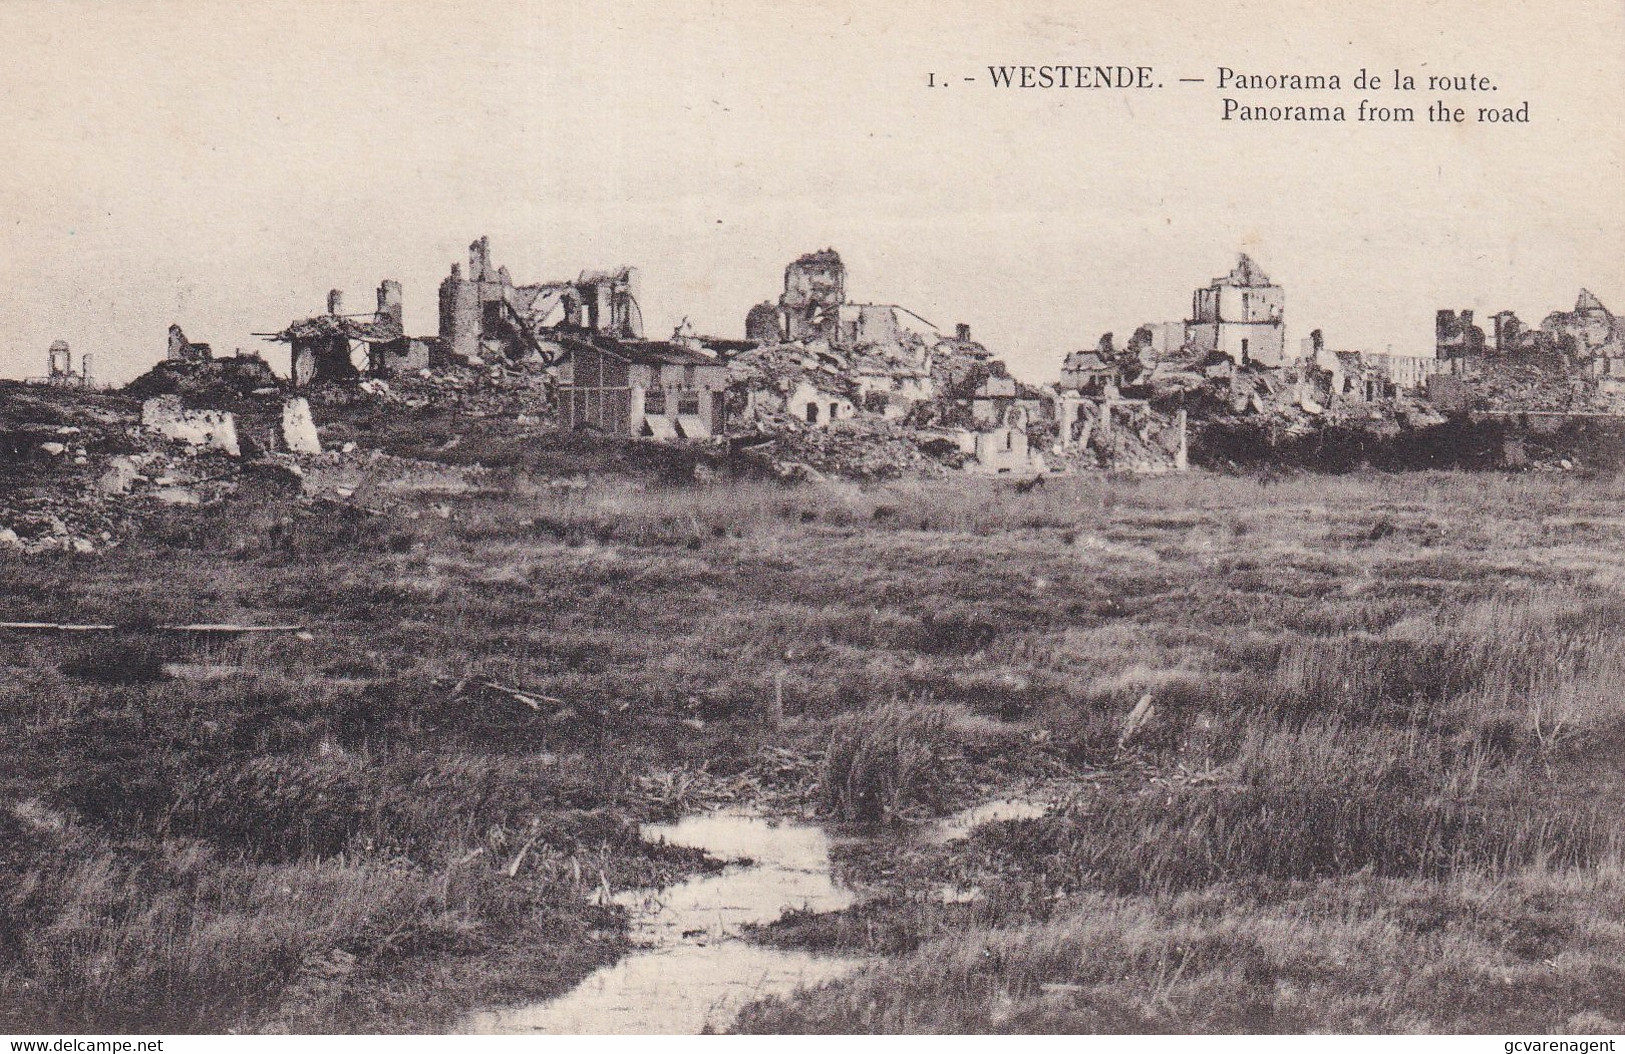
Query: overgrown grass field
1376, 785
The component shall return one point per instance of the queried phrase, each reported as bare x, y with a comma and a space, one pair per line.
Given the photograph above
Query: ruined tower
814, 290
1240, 314
58, 361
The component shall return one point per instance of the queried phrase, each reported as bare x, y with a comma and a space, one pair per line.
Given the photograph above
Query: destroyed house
1590, 338
324, 347
879, 325
814, 307
1089, 373
1588, 333
643, 388
1355, 380
485, 316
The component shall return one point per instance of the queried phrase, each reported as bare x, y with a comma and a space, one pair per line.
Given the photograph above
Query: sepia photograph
812, 517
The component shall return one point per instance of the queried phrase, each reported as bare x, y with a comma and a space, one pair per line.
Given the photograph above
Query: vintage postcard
835, 517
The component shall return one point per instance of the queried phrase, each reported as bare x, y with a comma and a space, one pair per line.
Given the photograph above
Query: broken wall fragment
208, 429
299, 428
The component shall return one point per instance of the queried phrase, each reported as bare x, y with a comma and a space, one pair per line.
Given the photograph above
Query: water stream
952, 828
692, 970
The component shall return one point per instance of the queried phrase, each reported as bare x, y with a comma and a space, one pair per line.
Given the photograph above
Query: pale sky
223, 164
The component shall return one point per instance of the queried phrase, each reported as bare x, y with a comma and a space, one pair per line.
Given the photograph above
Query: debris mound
206, 379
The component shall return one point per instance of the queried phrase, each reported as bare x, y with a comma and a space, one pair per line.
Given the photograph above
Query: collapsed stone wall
212, 429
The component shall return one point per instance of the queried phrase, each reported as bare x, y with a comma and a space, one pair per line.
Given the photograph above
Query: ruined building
485, 316
1509, 332
1365, 376
59, 366
1004, 449
1589, 333
818, 358
814, 290
1155, 341
813, 307
326, 348
1455, 337
58, 360
402, 354
1240, 315
1589, 338
183, 350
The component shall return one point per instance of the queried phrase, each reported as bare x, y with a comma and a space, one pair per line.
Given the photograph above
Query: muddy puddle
693, 971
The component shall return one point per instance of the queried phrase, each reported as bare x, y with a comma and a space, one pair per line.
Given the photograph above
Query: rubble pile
473, 391
1139, 440
1293, 402
764, 382
1525, 384
207, 381
375, 480
866, 450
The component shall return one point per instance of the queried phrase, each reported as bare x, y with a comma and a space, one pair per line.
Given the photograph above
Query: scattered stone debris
120, 476
858, 450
